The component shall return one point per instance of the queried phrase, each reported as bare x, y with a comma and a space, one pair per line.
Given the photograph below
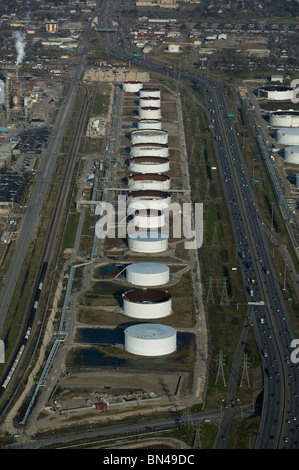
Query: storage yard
148, 277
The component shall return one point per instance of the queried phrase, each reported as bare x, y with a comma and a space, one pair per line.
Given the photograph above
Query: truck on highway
265, 353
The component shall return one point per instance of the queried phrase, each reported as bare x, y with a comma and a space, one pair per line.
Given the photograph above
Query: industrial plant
149, 215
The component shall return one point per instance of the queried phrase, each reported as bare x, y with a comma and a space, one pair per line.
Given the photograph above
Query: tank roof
149, 177
147, 295
147, 268
289, 112
276, 88
149, 132
150, 107
150, 331
148, 193
149, 145
149, 159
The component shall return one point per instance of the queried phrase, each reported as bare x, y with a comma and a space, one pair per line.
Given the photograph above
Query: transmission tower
246, 366
224, 294
210, 294
198, 435
220, 372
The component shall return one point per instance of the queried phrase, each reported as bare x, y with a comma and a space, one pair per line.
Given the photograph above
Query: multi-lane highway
278, 428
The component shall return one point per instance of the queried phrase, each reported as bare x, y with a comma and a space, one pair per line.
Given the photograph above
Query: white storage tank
148, 136
174, 48
149, 124
149, 181
149, 164
148, 199
150, 101
276, 93
147, 274
150, 112
150, 92
288, 136
148, 219
150, 339
148, 242
291, 154
154, 150
147, 304
279, 118
132, 87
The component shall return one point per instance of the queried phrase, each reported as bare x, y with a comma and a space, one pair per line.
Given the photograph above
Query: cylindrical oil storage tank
154, 150
148, 242
276, 93
148, 136
148, 219
149, 164
281, 118
150, 339
150, 112
150, 92
291, 154
288, 136
149, 181
147, 274
148, 199
149, 124
150, 101
147, 304
132, 87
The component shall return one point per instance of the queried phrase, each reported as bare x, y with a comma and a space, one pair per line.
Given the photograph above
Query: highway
278, 428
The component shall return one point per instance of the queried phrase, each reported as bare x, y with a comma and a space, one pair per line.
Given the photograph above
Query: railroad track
56, 227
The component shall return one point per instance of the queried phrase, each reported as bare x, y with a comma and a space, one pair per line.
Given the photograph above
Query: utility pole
245, 376
210, 295
224, 294
198, 435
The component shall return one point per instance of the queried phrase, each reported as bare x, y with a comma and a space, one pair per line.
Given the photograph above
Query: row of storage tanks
281, 118
289, 137
147, 198
148, 184
287, 121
